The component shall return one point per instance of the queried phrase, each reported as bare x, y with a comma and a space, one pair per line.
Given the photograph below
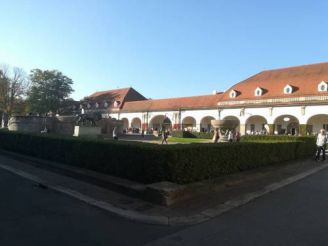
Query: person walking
321, 145
238, 136
115, 133
230, 136
164, 136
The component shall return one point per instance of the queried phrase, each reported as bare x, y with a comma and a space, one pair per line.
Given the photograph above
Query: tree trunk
4, 121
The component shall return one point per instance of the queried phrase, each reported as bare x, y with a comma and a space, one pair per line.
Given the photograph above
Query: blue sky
162, 48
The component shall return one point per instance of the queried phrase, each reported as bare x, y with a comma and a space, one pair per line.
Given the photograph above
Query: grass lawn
187, 140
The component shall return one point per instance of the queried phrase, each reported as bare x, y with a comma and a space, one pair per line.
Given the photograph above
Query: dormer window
322, 86
288, 89
105, 104
117, 104
97, 105
258, 92
233, 93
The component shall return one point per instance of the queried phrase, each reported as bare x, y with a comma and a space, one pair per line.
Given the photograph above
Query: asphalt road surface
32, 215
294, 215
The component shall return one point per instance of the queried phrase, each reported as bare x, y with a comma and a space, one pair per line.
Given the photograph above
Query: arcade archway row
255, 124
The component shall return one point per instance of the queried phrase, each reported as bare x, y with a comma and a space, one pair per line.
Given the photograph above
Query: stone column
145, 126
4, 121
271, 129
216, 135
303, 129
242, 129
176, 126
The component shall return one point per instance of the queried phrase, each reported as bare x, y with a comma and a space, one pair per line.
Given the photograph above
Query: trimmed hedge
187, 134
272, 138
150, 163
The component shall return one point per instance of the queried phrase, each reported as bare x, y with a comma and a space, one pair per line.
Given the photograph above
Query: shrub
187, 134
150, 163
280, 138
177, 134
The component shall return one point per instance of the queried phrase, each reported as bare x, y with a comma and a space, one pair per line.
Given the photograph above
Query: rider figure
82, 110
81, 116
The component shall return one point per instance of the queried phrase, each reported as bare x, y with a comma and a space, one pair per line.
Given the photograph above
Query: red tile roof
304, 79
110, 96
195, 102
116, 92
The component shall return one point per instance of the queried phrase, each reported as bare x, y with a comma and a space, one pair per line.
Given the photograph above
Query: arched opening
167, 124
256, 125
286, 125
125, 125
235, 122
205, 124
317, 122
159, 122
136, 125
189, 124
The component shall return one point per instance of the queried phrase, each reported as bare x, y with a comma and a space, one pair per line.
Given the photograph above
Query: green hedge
149, 163
187, 134
271, 138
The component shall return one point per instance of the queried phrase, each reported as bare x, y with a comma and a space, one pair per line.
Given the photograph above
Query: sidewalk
224, 194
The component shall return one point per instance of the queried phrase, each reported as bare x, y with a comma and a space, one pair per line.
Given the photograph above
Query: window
258, 92
233, 93
288, 89
322, 86
117, 104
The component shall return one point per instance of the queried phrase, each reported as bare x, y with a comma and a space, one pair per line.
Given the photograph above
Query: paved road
294, 215
30, 215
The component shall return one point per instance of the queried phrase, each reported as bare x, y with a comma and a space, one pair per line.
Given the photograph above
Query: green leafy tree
49, 91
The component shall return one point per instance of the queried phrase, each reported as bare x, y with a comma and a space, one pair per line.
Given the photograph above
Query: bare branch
13, 87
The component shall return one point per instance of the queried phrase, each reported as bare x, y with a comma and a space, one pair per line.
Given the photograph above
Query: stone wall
64, 124
58, 124
33, 124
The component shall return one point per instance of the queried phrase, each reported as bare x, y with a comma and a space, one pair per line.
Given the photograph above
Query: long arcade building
290, 100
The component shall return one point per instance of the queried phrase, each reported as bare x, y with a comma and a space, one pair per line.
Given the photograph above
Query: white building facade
282, 101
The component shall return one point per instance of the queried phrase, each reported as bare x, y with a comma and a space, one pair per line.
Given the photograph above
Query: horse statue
88, 119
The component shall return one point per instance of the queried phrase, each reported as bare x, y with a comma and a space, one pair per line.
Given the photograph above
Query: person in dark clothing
165, 135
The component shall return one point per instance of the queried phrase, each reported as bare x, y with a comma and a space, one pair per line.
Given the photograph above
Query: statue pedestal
223, 139
85, 131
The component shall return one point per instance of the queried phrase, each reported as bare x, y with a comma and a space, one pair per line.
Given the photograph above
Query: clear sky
162, 48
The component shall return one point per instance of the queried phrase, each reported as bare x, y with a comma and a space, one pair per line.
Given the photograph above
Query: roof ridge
173, 98
291, 67
107, 91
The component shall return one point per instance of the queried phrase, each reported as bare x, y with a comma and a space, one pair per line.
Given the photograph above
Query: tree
50, 91
13, 87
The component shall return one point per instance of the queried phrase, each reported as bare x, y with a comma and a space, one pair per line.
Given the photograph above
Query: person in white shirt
321, 145
115, 133
230, 136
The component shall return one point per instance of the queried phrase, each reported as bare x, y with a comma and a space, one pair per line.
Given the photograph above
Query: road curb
129, 214
167, 220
